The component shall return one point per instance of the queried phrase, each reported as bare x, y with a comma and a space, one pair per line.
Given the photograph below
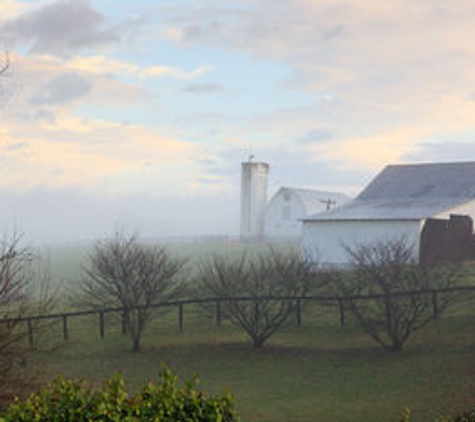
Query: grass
317, 372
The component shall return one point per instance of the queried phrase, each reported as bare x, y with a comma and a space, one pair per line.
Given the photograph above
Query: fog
69, 216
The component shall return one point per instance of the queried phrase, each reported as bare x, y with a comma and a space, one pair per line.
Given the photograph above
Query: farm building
253, 200
289, 206
431, 205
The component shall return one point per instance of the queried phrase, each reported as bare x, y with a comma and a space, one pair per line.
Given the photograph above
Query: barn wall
323, 240
447, 240
283, 216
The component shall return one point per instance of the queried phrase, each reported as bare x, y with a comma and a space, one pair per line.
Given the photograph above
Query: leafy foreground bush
166, 401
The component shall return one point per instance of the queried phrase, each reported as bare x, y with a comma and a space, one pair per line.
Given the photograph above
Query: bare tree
387, 273
125, 273
257, 293
24, 291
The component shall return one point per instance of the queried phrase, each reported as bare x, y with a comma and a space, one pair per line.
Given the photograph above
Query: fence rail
339, 301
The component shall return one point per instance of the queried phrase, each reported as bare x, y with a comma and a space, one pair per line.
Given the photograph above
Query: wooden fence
338, 301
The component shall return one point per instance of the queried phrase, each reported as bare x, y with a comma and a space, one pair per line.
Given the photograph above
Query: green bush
167, 401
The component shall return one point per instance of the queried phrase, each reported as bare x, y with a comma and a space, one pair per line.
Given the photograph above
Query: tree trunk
136, 343
258, 342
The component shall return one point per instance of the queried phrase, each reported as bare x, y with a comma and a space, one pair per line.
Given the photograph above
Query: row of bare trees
123, 272
126, 273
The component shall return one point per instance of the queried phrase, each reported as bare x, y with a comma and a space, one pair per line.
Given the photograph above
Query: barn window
286, 196
286, 214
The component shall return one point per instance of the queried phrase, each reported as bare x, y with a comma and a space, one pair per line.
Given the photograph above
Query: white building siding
289, 206
322, 241
253, 200
282, 217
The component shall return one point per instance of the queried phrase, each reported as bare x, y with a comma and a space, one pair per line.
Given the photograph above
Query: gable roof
313, 200
409, 192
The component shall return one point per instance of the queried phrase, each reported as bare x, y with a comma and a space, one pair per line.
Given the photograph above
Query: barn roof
409, 192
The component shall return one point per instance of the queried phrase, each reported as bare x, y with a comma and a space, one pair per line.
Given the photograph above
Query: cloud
61, 28
10, 8
95, 154
53, 84
399, 71
204, 88
45, 115
315, 136
159, 71
16, 146
290, 165
102, 65
63, 88
453, 148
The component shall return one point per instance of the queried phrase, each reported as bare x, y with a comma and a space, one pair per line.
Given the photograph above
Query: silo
253, 200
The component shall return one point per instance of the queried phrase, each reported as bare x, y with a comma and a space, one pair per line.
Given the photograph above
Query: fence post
180, 316
218, 313
342, 312
101, 324
65, 328
299, 313
30, 333
435, 305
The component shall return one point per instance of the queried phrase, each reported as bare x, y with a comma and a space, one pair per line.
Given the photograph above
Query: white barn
403, 200
289, 206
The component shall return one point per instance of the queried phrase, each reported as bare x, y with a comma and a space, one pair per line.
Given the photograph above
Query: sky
137, 115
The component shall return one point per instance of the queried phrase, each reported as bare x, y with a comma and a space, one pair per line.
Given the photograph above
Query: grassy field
317, 372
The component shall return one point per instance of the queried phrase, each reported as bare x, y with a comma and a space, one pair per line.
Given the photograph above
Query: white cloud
94, 154
399, 71
10, 8
159, 71
63, 88
59, 28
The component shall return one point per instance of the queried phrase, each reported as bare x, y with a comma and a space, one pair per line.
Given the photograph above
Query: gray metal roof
409, 192
314, 200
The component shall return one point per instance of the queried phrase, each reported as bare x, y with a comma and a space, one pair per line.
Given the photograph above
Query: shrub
167, 401
248, 288
125, 273
386, 273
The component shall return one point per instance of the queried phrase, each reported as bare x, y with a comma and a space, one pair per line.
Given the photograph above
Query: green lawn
317, 372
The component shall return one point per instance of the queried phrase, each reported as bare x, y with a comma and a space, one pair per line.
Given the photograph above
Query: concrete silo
253, 200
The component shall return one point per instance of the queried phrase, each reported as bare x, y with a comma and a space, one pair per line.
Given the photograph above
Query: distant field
317, 372
66, 261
